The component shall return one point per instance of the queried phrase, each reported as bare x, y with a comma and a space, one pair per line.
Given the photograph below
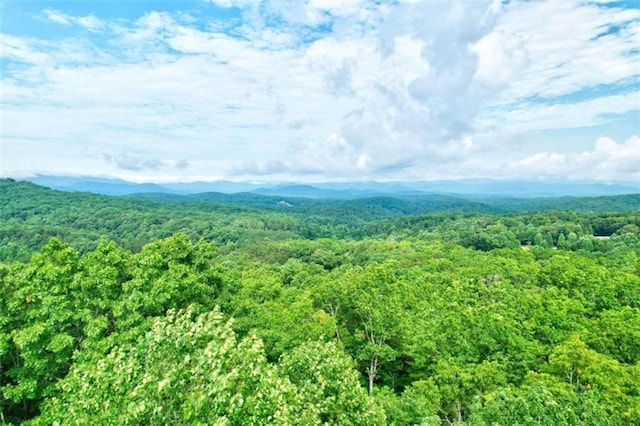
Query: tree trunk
333, 311
371, 371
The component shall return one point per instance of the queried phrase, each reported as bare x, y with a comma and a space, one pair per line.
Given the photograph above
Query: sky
320, 90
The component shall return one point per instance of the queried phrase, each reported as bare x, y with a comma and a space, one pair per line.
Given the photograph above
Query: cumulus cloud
609, 161
501, 59
327, 88
426, 94
333, 155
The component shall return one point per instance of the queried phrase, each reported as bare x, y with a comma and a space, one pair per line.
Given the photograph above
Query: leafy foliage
325, 319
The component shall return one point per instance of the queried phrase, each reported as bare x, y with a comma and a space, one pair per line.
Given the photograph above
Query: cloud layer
327, 90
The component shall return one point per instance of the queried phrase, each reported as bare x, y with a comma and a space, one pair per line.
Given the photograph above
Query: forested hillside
30, 215
293, 311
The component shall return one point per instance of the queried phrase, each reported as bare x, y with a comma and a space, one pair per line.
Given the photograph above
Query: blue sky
320, 90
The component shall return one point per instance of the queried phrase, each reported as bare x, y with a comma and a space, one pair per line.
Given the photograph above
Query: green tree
191, 369
186, 369
39, 327
372, 312
617, 333
540, 400
563, 244
328, 383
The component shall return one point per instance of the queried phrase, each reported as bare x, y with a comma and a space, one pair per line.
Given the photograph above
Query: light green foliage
343, 312
586, 370
191, 369
328, 384
186, 369
540, 400
371, 309
40, 331
456, 385
617, 333
282, 316
418, 404
60, 306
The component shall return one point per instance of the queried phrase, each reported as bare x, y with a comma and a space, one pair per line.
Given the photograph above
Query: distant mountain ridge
470, 188
334, 209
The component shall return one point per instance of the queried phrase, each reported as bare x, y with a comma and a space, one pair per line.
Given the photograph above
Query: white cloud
231, 3
570, 45
22, 50
501, 59
88, 22
337, 7
407, 90
333, 155
527, 117
132, 162
57, 17
608, 161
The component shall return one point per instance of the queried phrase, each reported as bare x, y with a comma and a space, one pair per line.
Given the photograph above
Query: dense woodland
247, 309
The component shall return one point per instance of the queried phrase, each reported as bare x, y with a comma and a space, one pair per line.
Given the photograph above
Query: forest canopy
199, 312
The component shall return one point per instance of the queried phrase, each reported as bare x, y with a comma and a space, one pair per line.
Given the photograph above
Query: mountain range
346, 190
